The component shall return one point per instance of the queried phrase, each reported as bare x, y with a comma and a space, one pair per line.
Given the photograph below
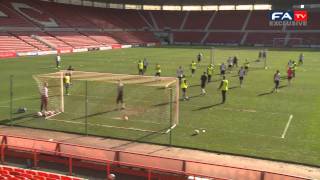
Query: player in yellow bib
158, 70
224, 86
184, 87
210, 70
193, 67
67, 82
140, 67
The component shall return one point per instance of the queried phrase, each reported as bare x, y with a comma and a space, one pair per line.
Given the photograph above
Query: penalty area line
171, 128
103, 125
287, 126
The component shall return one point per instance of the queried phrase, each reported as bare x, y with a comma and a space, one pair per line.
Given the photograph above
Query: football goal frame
57, 99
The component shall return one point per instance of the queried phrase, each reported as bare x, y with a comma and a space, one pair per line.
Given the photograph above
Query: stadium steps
244, 38
205, 37
13, 19
14, 173
145, 20
210, 20
9, 42
245, 24
102, 38
184, 20
28, 38
188, 37
230, 20
287, 38
153, 20
198, 20
169, 19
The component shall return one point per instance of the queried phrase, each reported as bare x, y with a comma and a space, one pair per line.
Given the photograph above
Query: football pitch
253, 121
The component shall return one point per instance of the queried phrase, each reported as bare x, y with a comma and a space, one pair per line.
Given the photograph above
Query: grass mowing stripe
287, 126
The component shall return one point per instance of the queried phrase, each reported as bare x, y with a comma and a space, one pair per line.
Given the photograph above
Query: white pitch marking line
287, 126
171, 128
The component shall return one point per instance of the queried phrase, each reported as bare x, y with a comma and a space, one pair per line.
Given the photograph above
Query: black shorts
192, 71
184, 90
289, 77
277, 83
241, 78
246, 67
120, 98
203, 85
222, 72
229, 65
157, 74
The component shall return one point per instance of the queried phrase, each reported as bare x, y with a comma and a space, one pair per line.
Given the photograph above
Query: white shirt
277, 77
58, 58
223, 67
230, 61
242, 72
45, 92
179, 72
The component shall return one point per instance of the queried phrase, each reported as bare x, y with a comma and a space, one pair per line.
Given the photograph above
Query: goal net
285, 42
151, 104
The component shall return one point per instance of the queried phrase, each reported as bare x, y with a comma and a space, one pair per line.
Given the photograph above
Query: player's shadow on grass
148, 136
9, 121
271, 92
234, 87
96, 114
266, 93
282, 86
208, 107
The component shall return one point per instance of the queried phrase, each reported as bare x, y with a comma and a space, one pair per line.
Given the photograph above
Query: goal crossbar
114, 78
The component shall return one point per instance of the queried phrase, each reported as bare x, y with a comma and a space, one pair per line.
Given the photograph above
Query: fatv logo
282, 16
289, 16
300, 15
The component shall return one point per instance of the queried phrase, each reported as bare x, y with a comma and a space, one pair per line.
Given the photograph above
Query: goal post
55, 91
151, 104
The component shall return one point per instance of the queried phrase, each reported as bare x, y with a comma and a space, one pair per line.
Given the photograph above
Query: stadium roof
210, 2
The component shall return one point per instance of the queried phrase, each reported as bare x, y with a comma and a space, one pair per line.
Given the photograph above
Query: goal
284, 42
151, 104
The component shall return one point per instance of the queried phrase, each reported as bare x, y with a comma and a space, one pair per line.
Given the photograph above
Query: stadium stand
263, 38
11, 18
259, 21
101, 37
188, 37
168, 19
224, 38
14, 173
56, 43
9, 42
198, 20
68, 18
146, 166
223, 20
27, 37
133, 37
75, 39
56, 26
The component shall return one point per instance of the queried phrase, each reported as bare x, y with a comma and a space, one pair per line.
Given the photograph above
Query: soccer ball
203, 130
196, 131
125, 117
39, 114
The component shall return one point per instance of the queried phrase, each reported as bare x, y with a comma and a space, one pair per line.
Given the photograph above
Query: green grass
250, 123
